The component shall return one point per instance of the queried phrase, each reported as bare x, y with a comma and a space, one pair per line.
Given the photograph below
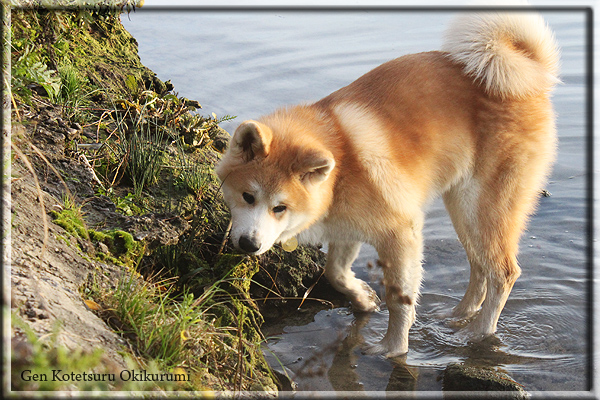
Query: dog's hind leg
488, 221
400, 252
506, 195
340, 256
461, 203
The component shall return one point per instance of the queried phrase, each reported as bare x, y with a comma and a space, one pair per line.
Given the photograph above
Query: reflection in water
342, 373
332, 359
403, 378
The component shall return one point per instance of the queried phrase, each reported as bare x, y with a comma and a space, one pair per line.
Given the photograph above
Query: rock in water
459, 377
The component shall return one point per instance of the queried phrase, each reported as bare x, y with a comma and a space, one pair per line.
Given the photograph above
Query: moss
124, 249
109, 54
289, 273
63, 239
123, 242
99, 236
43, 356
107, 258
72, 221
246, 315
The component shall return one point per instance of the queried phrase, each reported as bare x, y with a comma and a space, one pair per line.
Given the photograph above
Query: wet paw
374, 349
442, 314
467, 335
368, 301
383, 348
458, 321
464, 314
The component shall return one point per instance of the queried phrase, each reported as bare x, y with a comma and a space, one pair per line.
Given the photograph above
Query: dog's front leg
340, 256
400, 255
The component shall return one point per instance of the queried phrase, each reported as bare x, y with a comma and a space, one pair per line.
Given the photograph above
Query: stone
464, 378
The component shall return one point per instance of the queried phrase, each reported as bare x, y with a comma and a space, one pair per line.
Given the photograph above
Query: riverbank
120, 258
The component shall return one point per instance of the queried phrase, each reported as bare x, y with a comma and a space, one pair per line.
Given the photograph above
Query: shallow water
249, 63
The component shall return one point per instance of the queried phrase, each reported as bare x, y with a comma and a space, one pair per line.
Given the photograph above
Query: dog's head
274, 182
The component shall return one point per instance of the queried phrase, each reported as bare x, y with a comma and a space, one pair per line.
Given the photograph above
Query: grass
181, 331
31, 355
146, 124
180, 259
150, 148
144, 153
214, 332
29, 69
193, 176
34, 360
120, 4
140, 145
73, 94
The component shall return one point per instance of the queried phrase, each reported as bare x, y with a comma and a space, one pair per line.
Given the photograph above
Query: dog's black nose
248, 245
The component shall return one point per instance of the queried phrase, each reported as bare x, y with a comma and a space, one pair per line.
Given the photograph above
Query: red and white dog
472, 123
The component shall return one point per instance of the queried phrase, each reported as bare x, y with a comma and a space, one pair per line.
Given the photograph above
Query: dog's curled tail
513, 54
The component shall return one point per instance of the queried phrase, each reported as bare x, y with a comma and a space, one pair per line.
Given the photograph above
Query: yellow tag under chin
290, 245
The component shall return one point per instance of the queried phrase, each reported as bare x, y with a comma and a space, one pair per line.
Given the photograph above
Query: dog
472, 123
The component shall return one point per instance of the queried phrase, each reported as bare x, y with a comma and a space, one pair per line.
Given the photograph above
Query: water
249, 63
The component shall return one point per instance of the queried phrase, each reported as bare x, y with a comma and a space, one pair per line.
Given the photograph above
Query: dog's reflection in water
343, 373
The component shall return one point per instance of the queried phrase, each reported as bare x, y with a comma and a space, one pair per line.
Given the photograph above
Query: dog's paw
462, 321
464, 313
383, 348
466, 334
442, 314
368, 301
457, 323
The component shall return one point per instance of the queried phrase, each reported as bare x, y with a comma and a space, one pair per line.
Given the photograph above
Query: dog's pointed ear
251, 140
315, 166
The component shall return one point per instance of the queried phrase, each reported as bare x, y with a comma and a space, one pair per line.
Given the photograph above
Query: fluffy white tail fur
513, 54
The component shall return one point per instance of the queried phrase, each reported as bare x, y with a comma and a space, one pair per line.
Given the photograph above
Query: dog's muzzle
248, 245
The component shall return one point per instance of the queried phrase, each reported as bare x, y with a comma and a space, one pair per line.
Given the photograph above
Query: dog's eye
248, 198
279, 209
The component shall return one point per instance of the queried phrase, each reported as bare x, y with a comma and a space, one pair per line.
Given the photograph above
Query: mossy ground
94, 43
114, 245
